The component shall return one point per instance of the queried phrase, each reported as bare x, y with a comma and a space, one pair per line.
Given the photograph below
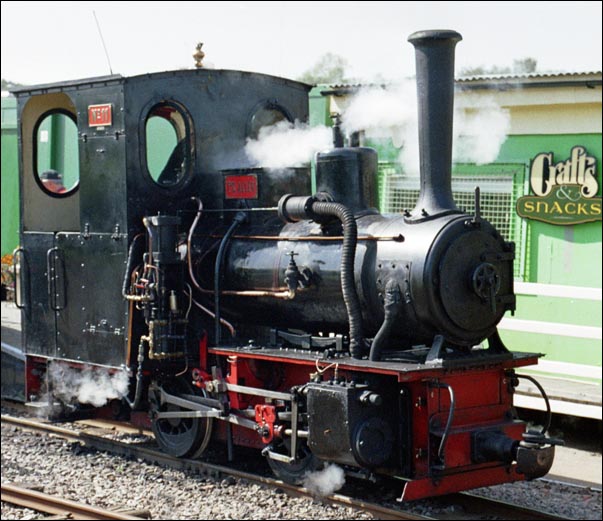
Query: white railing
558, 372
557, 290
554, 328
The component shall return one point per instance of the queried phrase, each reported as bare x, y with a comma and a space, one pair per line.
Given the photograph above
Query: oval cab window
57, 154
266, 115
168, 152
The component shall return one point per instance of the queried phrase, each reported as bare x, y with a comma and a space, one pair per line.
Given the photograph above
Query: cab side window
168, 150
266, 114
57, 154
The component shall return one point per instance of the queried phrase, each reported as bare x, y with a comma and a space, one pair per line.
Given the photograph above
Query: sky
44, 42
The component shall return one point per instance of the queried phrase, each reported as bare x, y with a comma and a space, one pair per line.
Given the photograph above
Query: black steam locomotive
242, 308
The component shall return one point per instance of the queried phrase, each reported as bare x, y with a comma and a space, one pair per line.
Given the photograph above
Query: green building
10, 176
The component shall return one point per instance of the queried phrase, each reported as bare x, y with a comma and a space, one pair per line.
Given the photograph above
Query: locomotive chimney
434, 52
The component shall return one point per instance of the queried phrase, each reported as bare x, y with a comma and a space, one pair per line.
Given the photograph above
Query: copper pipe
129, 343
224, 322
189, 243
284, 294
334, 238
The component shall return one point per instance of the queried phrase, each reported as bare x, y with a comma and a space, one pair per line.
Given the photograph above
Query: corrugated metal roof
500, 81
531, 75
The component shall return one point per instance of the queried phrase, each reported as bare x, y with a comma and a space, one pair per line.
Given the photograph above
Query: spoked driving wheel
179, 437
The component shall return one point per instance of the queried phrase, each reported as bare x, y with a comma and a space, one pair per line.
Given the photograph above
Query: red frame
483, 397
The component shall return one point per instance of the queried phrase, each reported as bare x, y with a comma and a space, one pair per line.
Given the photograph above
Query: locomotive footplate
402, 369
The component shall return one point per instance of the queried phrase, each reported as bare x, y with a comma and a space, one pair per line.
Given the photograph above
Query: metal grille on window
500, 186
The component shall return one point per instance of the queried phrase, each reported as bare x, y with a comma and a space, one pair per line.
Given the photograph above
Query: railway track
64, 508
461, 505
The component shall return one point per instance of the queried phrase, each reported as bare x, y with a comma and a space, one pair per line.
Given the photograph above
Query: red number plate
241, 186
99, 115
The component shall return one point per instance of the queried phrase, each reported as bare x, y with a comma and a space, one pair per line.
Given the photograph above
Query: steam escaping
325, 482
91, 385
479, 130
387, 112
383, 112
287, 145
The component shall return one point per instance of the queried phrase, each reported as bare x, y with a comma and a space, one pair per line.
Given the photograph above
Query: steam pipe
434, 54
133, 404
446, 432
189, 241
239, 218
245, 293
129, 265
391, 308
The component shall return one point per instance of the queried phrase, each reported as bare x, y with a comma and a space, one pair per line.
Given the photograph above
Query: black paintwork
431, 256
79, 313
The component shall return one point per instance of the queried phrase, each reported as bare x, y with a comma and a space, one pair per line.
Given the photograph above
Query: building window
168, 145
500, 186
57, 164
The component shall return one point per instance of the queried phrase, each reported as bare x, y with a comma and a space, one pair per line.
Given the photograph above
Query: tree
525, 65
520, 66
7, 84
330, 68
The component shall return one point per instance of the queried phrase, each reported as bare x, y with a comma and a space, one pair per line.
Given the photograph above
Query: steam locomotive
245, 310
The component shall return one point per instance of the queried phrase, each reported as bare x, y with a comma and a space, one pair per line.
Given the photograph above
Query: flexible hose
348, 285
549, 414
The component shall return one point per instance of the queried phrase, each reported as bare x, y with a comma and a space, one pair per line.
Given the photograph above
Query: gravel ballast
72, 471
69, 470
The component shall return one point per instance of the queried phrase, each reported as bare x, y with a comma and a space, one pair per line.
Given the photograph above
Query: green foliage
330, 68
525, 65
7, 84
521, 66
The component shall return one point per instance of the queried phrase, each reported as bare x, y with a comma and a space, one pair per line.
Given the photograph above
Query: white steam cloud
383, 112
91, 385
325, 482
287, 145
478, 131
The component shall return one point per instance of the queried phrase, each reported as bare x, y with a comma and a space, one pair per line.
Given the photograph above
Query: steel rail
208, 469
471, 504
49, 504
486, 508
